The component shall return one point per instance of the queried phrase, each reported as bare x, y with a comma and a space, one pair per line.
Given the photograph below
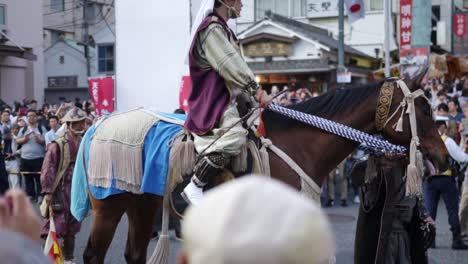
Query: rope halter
407, 106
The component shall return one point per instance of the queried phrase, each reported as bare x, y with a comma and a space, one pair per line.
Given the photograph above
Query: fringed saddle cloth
116, 151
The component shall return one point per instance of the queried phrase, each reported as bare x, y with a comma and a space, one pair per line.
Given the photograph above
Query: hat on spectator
256, 220
75, 114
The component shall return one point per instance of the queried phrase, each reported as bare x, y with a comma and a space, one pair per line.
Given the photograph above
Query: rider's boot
207, 167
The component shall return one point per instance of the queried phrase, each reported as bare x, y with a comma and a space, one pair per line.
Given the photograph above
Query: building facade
285, 52
365, 35
21, 51
64, 24
65, 68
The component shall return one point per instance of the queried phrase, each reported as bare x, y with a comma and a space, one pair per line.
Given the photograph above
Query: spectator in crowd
440, 99
19, 230
52, 134
304, 95
283, 101
21, 123
6, 120
342, 182
443, 184
442, 110
4, 185
463, 99
244, 221
453, 111
31, 139
11, 159
33, 105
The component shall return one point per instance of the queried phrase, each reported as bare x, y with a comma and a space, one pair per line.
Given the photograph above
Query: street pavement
343, 222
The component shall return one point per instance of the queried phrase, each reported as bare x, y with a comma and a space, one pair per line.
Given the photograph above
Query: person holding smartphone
32, 141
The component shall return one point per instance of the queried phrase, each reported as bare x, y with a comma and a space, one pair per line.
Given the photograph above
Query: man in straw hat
219, 75
56, 178
256, 220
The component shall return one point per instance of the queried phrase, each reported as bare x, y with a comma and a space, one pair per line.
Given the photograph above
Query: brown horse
316, 151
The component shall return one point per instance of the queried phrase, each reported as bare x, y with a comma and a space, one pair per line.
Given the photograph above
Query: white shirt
455, 151
50, 136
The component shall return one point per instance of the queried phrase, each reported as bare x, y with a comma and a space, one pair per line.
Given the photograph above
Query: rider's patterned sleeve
226, 59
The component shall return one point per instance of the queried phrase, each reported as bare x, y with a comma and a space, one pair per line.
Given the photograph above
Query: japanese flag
355, 10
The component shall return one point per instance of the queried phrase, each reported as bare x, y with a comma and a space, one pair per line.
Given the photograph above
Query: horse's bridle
384, 102
407, 106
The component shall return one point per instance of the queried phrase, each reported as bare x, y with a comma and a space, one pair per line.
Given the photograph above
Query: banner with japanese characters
413, 60
406, 17
460, 36
102, 94
459, 25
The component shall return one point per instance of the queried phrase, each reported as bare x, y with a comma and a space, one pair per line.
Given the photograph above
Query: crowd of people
38, 152
26, 130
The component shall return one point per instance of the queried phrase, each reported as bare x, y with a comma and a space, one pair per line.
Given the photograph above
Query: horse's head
431, 144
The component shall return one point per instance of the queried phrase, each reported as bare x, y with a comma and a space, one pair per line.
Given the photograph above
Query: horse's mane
327, 105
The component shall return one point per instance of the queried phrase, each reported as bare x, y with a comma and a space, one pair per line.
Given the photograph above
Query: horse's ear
417, 80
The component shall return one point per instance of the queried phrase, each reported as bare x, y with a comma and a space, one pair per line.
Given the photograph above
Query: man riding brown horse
219, 75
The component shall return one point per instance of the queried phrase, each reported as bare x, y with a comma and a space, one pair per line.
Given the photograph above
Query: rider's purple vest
209, 96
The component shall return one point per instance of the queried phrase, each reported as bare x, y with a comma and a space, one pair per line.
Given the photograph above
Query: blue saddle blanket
155, 163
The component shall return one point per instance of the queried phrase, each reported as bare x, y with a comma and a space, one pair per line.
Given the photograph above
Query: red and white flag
52, 247
102, 91
355, 10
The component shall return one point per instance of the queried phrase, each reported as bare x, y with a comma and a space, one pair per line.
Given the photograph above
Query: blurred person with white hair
256, 220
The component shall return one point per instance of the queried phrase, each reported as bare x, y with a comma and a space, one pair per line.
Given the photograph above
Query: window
2, 15
57, 5
375, 5
106, 58
93, 11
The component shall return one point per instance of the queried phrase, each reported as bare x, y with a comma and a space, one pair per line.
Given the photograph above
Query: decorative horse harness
369, 143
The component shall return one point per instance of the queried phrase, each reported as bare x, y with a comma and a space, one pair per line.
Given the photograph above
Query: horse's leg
107, 215
141, 218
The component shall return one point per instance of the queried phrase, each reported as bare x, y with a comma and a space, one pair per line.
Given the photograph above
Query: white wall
151, 42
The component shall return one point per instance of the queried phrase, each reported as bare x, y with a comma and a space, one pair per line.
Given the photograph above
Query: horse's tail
162, 251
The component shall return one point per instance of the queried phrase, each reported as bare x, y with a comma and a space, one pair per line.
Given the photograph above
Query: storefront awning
290, 66
19, 52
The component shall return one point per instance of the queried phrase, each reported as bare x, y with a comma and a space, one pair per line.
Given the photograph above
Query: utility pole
387, 25
86, 37
341, 66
